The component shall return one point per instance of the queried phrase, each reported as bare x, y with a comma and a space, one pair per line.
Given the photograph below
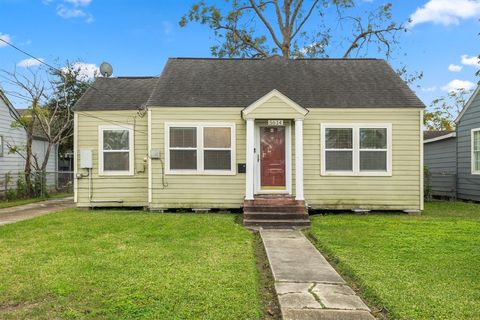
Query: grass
415, 267
19, 202
128, 265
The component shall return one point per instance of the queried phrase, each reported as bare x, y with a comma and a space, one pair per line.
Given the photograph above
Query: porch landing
275, 211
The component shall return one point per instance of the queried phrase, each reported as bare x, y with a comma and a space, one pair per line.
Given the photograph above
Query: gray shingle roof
123, 93
204, 82
309, 82
427, 135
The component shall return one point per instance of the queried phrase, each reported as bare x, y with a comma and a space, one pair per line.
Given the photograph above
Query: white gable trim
8, 103
469, 102
275, 93
446, 136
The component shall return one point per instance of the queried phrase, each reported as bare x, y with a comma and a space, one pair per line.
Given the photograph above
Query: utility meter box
86, 161
154, 153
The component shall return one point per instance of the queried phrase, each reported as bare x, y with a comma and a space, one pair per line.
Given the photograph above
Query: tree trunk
28, 163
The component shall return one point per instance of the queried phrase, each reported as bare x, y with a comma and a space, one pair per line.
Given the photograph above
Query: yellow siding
132, 190
400, 191
196, 191
274, 108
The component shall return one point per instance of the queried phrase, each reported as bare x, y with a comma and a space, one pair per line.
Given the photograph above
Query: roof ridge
268, 58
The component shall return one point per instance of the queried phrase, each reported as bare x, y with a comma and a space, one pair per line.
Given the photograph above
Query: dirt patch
270, 305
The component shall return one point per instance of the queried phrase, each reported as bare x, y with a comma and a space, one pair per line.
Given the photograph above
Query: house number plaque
275, 122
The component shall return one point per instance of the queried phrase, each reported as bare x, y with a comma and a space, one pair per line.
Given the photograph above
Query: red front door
272, 158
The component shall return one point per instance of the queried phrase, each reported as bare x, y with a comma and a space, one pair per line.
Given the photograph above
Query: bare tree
260, 28
29, 87
51, 94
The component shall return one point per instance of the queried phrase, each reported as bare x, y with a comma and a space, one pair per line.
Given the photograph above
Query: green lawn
416, 267
19, 202
128, 265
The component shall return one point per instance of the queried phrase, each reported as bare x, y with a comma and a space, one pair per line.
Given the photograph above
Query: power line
46, 64
30, 55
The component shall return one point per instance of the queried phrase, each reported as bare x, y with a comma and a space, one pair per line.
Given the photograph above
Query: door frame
288, 159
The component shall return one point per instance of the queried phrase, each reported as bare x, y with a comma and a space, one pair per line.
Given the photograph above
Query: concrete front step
275, 216
280, 223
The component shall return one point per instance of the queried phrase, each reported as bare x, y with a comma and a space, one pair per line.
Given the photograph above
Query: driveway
32, 210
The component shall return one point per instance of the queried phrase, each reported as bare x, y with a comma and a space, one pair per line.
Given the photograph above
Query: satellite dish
106, 69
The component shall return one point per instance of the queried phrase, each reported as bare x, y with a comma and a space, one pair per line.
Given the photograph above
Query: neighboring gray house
468, 150
13, 163
440, 157
453, 158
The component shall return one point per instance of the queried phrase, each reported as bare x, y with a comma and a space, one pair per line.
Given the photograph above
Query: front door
272, 158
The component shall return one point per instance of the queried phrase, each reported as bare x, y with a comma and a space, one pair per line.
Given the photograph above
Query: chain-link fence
15, 185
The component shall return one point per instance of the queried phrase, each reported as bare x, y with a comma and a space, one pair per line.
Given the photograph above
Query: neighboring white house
14, 163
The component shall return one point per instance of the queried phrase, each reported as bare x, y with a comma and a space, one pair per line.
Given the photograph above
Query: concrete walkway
32, 210
307, 286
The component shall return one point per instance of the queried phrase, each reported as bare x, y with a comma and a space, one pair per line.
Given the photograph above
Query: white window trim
356, 149
131, 139
200, 165
472, 151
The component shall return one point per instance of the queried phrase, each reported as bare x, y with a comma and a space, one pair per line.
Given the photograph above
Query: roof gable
468, 104
274, 104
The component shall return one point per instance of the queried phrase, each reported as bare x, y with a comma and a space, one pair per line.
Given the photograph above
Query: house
440, 158
261, 134
457, 153
11, 163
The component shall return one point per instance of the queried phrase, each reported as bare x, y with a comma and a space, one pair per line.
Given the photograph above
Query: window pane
476, 141
338, 160
217, 160
373, 138
115, 140
373, 161
183, 159
116, 161
216, 137
183, 137
338, 138
476, 161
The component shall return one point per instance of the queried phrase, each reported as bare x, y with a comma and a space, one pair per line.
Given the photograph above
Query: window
200, 149
116, 150
356, 149
476, 151
1, 146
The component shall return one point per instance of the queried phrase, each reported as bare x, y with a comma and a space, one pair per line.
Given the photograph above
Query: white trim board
445, 136
472, 157
467, 105
200, 163
288, 161
356, 150
274, 93
131, 139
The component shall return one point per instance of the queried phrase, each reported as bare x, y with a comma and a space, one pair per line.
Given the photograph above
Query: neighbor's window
200, 149
356, 149
1, 146
116, 150
476, 151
